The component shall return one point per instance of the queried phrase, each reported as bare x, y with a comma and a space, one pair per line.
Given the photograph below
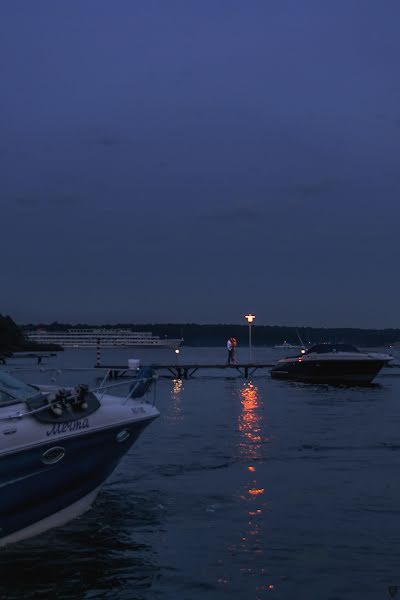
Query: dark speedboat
57, 447
331, 363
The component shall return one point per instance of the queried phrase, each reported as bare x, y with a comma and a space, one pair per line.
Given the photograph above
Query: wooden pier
186, 371
38, 356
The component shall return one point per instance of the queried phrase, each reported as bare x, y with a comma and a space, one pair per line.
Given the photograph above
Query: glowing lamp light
176, 350
250, 318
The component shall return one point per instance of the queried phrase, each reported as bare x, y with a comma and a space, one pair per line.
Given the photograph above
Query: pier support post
98, 353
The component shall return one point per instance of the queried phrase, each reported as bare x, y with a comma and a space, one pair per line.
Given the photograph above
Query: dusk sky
189, 161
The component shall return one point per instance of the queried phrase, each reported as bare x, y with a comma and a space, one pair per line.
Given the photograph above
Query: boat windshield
12, 389
325, 348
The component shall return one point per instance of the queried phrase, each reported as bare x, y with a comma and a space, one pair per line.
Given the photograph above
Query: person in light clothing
229, 347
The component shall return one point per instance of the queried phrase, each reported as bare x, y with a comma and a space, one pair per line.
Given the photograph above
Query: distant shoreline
262, 335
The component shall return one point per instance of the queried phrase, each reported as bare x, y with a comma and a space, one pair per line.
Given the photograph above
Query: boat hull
354, 372
36, 493
58, 519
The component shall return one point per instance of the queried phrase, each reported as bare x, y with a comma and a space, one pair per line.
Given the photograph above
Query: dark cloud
318, 187
23, 203
236, 214
108, 141
42, 205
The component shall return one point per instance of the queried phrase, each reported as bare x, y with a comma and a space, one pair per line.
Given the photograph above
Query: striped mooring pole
98, 353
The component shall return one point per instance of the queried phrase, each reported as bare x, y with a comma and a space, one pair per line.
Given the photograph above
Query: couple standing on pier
231, 347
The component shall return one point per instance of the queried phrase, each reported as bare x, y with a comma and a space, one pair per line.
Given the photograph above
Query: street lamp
250, 318
177, 351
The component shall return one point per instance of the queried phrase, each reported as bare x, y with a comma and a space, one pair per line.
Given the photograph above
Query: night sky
189, 161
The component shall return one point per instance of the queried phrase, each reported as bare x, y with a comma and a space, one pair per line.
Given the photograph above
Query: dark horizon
199, 334
198, 324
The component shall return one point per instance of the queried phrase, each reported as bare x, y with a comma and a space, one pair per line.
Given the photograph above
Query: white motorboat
286, 346
57, 447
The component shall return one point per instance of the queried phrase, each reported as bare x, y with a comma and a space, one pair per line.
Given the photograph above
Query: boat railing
102, 388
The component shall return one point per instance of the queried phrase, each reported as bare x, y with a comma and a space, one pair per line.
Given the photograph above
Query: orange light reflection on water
250, 548
174, 414
250, 422
177, 387
256, 491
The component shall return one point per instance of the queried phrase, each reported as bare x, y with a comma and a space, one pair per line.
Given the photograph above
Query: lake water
242, 489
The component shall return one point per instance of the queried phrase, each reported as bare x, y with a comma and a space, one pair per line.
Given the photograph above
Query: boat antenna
301, 341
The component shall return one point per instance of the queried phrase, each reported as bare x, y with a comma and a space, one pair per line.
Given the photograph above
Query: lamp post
250, 318
177, 351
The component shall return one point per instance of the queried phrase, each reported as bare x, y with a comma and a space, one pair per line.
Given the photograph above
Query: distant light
250, 318
302, 351
176, 350
256, 491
